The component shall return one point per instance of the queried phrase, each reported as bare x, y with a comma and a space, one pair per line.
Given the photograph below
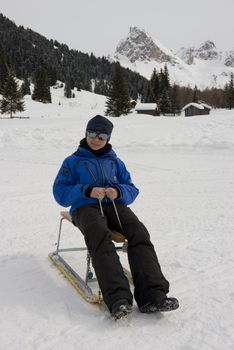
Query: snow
205, 105
145, 106
197, 105
203, 74
184, 169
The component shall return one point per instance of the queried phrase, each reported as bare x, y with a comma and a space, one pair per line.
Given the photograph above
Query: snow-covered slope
184, 169
204, 66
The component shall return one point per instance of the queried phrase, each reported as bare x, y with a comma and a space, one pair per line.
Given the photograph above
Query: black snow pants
149, 282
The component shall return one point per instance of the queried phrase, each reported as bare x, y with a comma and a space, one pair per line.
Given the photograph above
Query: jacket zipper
92, 174
103, 176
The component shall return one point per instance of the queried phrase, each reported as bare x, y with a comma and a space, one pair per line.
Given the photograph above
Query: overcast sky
98, 25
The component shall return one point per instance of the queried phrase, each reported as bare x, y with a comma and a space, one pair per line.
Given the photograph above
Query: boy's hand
112, 193
98, 192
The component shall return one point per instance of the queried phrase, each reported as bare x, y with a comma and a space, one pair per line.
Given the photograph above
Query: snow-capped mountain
204, 66
139, 46
207, 51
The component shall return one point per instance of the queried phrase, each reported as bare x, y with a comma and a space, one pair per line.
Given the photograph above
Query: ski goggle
102, 136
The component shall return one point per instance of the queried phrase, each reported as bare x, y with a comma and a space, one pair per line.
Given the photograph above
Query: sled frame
82, 285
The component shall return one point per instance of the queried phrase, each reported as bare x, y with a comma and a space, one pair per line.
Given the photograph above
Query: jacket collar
86, 151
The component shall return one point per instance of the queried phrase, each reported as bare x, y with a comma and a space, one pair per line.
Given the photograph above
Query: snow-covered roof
145, 106
206, 105
197, 105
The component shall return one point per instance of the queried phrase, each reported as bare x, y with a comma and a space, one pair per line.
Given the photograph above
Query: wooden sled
83, 284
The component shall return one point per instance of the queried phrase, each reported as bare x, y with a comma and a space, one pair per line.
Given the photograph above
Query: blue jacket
83, 169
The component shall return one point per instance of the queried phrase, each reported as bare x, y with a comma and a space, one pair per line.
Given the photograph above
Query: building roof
205, 105
200, 105
197, 105
146, 107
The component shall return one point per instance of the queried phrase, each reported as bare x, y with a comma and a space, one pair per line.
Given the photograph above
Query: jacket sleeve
66, 190
128, 191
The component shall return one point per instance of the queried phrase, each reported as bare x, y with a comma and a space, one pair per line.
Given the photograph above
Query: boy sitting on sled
95, 174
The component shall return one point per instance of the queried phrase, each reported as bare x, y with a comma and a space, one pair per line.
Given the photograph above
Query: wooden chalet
199, 108
147, 108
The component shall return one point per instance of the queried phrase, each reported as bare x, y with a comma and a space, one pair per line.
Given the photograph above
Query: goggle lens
102, 136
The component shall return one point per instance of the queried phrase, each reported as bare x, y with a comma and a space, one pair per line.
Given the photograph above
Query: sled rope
116, 236
116, 212
118, 218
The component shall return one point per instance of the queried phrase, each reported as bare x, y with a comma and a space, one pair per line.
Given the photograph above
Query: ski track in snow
184, 169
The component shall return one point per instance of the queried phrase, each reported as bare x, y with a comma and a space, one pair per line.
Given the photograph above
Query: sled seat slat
116, 236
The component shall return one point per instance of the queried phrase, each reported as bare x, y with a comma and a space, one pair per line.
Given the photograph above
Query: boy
90, 181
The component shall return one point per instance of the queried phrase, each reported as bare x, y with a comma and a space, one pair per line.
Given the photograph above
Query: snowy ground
184, 168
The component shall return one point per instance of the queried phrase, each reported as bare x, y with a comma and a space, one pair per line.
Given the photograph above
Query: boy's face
95, 143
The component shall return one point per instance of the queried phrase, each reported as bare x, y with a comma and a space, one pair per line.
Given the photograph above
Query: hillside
25, 50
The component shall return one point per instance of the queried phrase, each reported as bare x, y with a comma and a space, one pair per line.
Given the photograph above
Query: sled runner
83, 284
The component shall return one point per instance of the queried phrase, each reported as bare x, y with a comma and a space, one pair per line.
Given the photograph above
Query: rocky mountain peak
207, 51
203, 65
229, 59
139, 46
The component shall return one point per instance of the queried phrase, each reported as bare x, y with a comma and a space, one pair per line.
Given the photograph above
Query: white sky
98, 25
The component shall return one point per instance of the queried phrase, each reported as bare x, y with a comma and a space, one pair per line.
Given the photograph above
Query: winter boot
121, 308
168, 304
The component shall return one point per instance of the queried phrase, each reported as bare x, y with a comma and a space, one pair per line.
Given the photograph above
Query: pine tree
100, 88
195, 95
164, 79
67, 89
175, 100
118, 100
150, 97
229, 92
52, 76
12, 99
25, 87
155, 85
41, 91
153, 90
164, 103
3, 69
